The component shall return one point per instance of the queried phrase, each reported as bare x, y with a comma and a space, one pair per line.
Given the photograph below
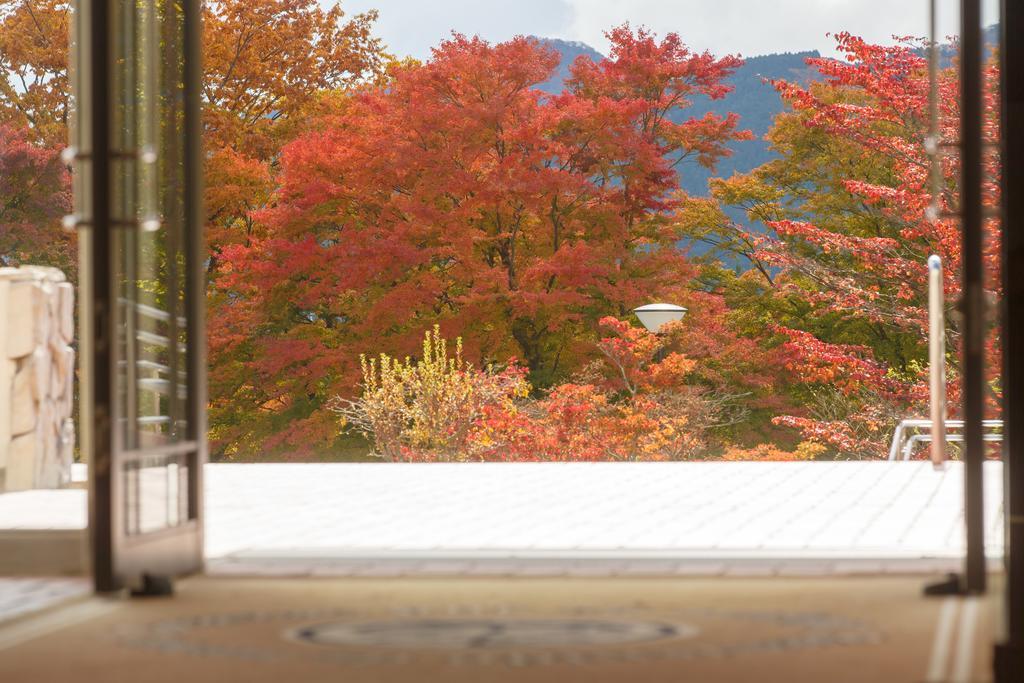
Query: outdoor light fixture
654, 316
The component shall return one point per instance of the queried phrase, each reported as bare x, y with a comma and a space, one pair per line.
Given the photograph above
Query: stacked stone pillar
37, 368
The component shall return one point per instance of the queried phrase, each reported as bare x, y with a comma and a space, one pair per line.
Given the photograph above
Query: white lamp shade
653, 316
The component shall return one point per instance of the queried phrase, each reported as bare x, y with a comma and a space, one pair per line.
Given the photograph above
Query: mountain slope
570, 51
757, 103
753, 98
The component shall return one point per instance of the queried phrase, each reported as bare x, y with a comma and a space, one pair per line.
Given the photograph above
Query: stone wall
37, 367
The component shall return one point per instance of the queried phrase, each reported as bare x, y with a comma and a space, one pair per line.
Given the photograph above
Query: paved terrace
316, 513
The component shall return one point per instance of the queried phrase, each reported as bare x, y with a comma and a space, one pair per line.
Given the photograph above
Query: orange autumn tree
647, 397
34, 89
34, 108
638, 402
460, 193
266, 65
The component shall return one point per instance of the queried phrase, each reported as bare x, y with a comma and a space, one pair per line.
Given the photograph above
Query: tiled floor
829, 510
557, 519
863, 511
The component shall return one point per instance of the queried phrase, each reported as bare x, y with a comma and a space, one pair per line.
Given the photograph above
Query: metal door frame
1009, 654
120, 560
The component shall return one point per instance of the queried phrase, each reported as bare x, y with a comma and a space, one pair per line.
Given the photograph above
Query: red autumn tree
843, 276
460, 193
34, 193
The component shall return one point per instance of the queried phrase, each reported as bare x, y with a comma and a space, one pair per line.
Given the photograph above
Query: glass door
135, 146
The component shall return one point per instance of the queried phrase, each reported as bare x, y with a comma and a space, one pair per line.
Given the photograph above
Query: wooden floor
372, 630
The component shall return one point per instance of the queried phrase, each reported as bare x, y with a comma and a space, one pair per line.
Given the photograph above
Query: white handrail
902, 446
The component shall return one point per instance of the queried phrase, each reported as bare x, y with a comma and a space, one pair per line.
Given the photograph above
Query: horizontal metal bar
903, 442
149, 419
157, 340
986, 212
147, 365
161, 386
158, 367
151, 311
949, 423
153, 419
956, 144
908, 448
153, 365
156, 452
185, 529
152, 338
72, 222
146, 154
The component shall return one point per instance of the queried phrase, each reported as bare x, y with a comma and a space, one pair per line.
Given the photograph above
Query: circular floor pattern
498, 635
490, 633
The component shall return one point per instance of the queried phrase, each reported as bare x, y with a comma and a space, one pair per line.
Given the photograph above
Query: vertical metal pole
935, 179
195, 256
1009, 659
937, 360
973, 303
936, 285
99, 392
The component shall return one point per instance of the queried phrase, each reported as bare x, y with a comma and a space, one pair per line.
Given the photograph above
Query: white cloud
748, 27
753, 27
412, 27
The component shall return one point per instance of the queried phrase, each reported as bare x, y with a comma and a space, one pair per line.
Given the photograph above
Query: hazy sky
748, 27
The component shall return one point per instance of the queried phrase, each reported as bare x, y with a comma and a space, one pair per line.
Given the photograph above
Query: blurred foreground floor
517, 629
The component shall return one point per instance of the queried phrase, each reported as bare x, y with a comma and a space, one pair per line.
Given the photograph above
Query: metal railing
911, 433
160, 374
